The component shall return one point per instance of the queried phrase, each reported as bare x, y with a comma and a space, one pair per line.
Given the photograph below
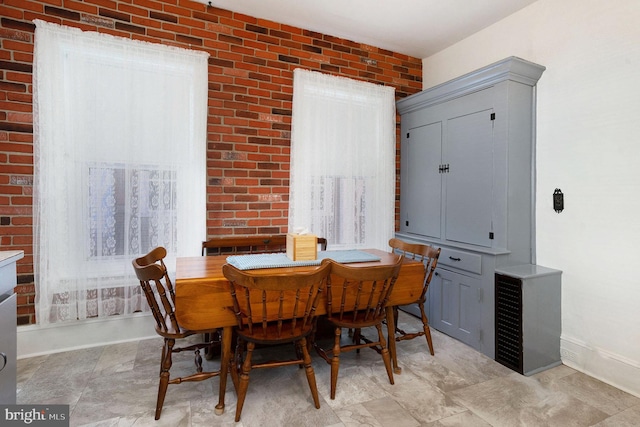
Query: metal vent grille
508, 319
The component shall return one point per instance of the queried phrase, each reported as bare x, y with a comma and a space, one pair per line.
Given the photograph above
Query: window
342, 183
120, 166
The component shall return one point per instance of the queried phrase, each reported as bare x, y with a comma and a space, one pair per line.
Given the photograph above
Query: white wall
588, 145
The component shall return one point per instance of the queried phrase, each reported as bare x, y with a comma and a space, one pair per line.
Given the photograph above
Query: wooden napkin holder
302, 247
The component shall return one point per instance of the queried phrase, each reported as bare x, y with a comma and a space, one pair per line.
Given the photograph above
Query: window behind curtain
120, 166
130, 210
342, 183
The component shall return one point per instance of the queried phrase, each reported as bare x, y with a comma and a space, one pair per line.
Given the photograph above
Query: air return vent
508, 319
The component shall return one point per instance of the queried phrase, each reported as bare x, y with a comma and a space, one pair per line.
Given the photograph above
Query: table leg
225, 359
391, 337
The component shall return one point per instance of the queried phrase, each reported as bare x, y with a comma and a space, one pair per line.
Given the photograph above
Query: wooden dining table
203, 301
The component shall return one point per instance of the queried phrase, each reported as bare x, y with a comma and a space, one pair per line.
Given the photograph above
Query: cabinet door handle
4, 360
455, 259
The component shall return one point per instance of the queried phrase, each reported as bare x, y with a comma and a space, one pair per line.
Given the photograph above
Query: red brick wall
250, 94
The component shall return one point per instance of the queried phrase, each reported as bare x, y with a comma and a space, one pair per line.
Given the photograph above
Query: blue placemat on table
276, 260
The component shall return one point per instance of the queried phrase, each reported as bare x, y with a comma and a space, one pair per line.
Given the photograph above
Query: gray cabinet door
468, 184
447, 172
421, 186
455, 306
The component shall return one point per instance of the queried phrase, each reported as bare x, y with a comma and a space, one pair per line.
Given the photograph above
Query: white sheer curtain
342, 183
120, 166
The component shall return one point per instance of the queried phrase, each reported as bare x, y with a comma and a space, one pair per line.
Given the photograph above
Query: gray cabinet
528, 322
8, 327
467, 186
466, 159
8, 350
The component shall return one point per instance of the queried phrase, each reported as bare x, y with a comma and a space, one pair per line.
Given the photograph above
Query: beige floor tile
518, 400
596, 393
463, 419
356, 416
390, 413
627, 418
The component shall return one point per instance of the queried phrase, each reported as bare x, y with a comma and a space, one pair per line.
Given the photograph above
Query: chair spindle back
360, 294
276, 306
158, 289
427, 255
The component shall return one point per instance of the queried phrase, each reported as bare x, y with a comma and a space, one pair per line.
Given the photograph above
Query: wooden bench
250, 244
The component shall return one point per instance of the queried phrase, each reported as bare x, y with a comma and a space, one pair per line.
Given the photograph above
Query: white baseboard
36, 340
610, 368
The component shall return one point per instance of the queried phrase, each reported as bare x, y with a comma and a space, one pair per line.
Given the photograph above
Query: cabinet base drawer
461, 260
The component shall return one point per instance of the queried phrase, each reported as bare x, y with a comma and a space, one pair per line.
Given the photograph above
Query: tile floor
116, 385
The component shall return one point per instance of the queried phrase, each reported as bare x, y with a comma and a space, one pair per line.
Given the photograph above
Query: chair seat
270, 335
349, 321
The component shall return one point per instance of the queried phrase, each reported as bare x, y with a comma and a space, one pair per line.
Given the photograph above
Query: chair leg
198, 360
243, 384
427, 331
299, 353
226, 365
213, 350
165, 365
386, 358
311, 376
236, 363
357, 338
395, 317
335, 362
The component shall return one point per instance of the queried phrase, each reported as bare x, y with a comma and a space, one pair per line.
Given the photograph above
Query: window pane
132, 210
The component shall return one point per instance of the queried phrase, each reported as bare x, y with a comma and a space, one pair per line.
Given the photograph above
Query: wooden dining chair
428, 256
238, 245
357, 298
159, 291
274, 309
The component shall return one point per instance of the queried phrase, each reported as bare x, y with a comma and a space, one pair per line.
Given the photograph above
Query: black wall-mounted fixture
558, 200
